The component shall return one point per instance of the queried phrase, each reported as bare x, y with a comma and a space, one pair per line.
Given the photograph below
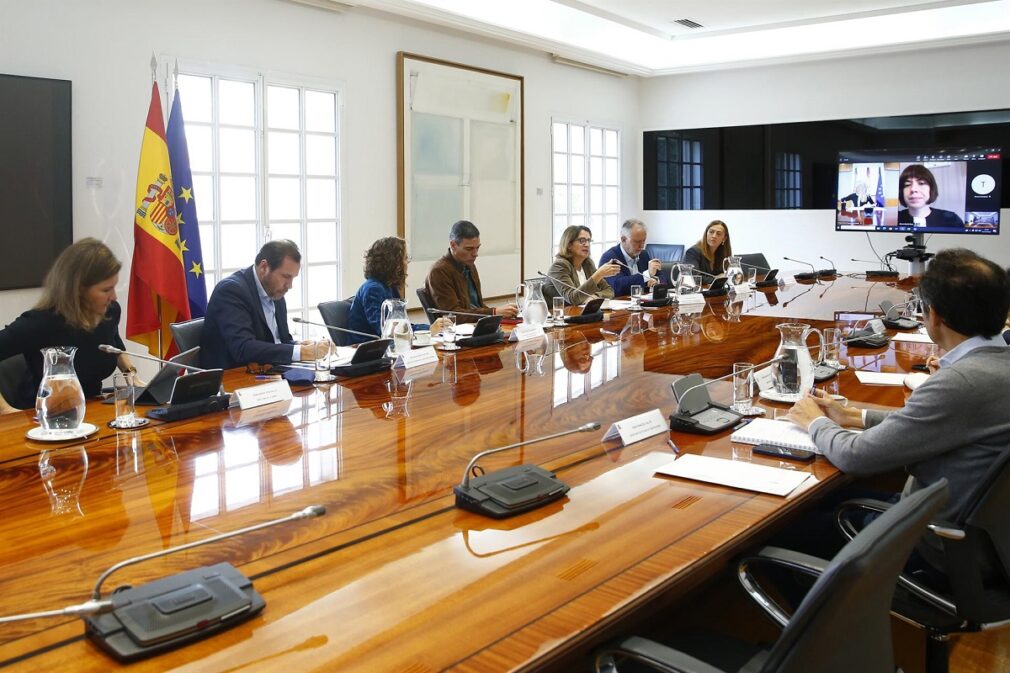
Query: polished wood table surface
393, 577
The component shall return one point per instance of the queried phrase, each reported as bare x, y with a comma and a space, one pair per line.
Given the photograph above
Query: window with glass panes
586, 175
264, 155
679, 173
788, 180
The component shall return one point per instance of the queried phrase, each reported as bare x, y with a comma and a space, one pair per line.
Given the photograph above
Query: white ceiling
642, 37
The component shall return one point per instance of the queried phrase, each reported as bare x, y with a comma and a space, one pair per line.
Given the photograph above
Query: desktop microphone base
881, 275
511, 491
174, 611
708, 421
184, 410
900, 323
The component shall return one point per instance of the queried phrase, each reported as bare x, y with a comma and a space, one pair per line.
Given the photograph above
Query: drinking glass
752, 276
697, 282
558, 306
449, 332
832, 346
636, 297
742, 386
124, 397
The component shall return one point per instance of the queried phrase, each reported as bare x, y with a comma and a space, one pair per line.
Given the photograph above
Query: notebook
777, 433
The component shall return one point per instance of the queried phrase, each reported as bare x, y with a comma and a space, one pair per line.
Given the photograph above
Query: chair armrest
652, 654
861, 504
776, 556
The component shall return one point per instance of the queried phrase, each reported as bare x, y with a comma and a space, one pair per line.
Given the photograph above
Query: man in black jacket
247, 318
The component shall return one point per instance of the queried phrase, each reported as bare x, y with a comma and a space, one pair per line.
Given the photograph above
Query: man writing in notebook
957, 422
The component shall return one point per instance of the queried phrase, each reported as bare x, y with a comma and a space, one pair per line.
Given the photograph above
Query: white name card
637, 428
743, 288
416, 357
522, 331
265, 393
763, 378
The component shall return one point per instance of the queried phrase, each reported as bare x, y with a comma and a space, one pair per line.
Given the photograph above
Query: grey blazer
564, 271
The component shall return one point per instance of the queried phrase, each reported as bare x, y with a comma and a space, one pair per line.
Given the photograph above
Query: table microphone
513, 490
339, 329
558, 280
701, 415
106, 348
827, 272
804, 276
141, 621
474, 315
878, 273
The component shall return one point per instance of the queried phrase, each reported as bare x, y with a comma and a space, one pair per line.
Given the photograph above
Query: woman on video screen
917, 190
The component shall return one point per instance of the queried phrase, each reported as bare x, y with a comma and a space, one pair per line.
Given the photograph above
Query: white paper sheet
738, 474
880, 378
912, 337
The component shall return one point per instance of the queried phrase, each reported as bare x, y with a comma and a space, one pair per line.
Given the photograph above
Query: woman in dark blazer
708, 253
78, 308
573, 268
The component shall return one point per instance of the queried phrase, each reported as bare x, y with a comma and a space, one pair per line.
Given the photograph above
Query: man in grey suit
956, 423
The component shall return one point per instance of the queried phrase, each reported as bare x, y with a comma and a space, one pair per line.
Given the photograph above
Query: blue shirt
968, 345
270, 314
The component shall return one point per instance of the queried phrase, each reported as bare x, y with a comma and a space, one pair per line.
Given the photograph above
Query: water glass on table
752, 276
743, 386
636, 297
832, 347
449, 332
124, 396
558, 310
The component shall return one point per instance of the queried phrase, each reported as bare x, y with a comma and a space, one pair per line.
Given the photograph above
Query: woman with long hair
78, 308
386, 263
708, 253
573, 268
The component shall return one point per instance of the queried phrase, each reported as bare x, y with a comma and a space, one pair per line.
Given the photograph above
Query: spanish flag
157, 279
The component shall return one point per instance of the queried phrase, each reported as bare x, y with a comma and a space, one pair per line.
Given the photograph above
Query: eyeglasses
582, 240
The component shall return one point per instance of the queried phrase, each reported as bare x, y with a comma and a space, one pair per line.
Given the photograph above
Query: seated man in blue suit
630, 254
247, 318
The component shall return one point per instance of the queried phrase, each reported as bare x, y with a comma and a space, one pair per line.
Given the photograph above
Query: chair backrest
12, 372
665, 252
844, 623
187, 334
978, 567
336, 313
756, 260
427, 304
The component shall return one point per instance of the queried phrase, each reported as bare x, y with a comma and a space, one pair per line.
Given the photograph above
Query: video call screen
927, 191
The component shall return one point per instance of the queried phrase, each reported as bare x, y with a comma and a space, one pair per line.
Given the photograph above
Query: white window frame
261, 79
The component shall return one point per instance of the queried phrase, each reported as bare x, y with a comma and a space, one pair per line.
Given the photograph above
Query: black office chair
665, 252
427, 304
187, 334
976, 555
12, 372
842, 625
756, 260
336, 313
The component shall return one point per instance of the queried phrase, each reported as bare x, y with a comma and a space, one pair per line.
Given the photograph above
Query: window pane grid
586, 184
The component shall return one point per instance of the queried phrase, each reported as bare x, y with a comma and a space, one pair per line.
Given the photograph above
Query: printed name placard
743, 288
763, 378
416, 357
265, 393
522, 331
636, 428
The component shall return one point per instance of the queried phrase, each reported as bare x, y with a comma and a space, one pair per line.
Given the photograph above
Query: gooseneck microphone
444, 312
558, 280
141, 621
339, 329
513, 490
307, 513
804, 276
828, 272
106, 348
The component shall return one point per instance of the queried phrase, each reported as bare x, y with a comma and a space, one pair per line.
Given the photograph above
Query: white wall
949, 79
104, 47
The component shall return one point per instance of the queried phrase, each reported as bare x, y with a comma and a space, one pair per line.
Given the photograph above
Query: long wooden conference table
394, 577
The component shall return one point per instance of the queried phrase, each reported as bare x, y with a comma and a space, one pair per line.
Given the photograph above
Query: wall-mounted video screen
930, 191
